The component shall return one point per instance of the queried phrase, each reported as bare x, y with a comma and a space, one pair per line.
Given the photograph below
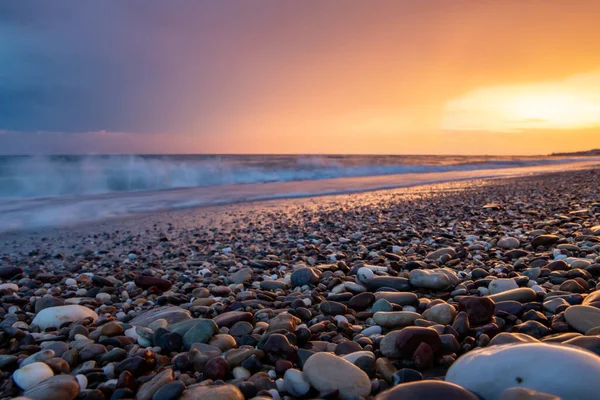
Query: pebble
32, 374
567, 372
56, 316
327, 373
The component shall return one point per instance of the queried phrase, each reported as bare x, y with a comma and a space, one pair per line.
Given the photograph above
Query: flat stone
402, 299
201, 332
146, 282
171, 314
434, 255
509, 243
241, 276
64, 387
568, 372
229, 318
522, 295
31, 375
592, 299
329, 373
294, 383
304, 276
56, 316
147, 390
435, 279
395, 319
582, 318
502, 285
442, 313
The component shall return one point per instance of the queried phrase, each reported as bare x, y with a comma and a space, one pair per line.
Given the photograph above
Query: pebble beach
484, 289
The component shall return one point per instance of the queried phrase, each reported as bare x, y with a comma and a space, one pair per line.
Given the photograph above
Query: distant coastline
594, 152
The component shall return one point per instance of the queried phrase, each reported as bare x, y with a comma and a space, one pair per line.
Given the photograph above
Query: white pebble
82, 380
71, 282
32, 374
272, 374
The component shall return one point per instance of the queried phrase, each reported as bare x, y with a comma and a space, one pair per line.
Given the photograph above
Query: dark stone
461, 324
544, 240
590, 343
229, 318
532, 328
136, 365
333, 308
423, 357
170, 342
170, 391
304, 276
47, 302
398, 283
101, 281
479, 309
216, 368
9, 272
146, 282
347, 347
361, 301
510, 306
277, 346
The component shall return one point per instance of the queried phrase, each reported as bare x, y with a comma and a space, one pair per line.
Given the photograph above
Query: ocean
41, 191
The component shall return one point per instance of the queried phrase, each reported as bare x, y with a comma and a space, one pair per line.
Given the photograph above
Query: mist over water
37, 192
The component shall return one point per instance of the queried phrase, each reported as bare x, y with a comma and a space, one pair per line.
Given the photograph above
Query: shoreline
381, 288
32, 214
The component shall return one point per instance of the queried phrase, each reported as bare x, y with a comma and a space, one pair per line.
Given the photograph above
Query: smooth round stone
400, 298
56, 316
32, 374
372, 330
442, 313
502, 285
294, 383
394, 319
434, 255
381, 305
593, 299
215, 392
568, 372
304, 276
103, 297
522, 295
328, 373
427, 390
64, 387
403, 343
171, 314
435, 279
364, 275
201, 332
507, 338
147, 390
509, 243
582, 318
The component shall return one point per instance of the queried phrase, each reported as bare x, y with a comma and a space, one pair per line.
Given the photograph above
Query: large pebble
395, 319
56, 316
442, 313
583, 318
328, 373
32, 374
63, 387
427, 390
436, 279
564, 371
294, 383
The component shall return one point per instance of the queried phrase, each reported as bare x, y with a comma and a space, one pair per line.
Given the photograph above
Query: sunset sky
311, 76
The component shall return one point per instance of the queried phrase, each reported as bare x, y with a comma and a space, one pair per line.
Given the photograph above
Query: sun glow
570, 104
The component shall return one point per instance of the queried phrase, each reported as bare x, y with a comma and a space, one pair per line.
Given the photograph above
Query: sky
311, 76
